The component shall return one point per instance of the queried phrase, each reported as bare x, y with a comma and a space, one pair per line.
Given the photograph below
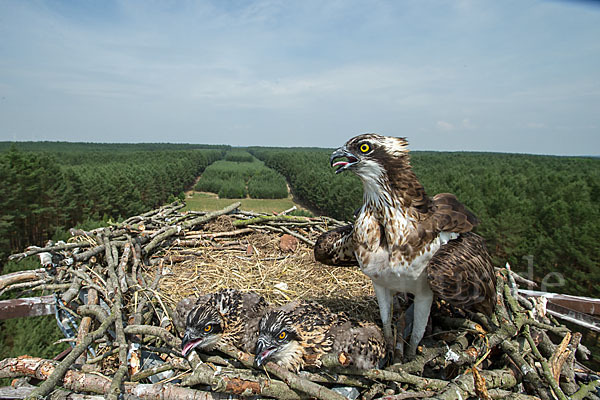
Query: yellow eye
282, 335
208, 328
365, 147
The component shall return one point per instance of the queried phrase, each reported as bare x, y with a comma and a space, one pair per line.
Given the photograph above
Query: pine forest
539, 213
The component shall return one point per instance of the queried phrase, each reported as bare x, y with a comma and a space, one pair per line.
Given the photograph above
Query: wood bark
84, 382
27, 307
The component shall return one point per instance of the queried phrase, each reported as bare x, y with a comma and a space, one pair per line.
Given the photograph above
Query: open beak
263, 353
188, 344
342, 152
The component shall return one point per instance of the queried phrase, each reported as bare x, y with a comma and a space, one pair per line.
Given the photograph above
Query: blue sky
509, 76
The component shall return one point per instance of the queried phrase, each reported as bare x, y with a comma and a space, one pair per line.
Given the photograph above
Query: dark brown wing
461, 272
335, 247
450, 215
253, 305
253, 309
312, 322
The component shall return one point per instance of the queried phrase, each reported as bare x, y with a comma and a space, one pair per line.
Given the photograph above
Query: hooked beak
342, 165
263, 353
188, 343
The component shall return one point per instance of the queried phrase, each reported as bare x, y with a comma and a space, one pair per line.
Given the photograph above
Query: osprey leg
422, 308
384, 300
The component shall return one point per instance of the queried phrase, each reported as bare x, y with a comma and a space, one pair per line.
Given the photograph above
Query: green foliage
34, 335
140, 180
527, 205
239, 156
209, 183
30, 198
233, 189
232, 179
313, 182
267, 184
220, 172
45, 191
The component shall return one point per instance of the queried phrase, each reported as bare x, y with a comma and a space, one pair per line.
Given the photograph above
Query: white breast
411, 278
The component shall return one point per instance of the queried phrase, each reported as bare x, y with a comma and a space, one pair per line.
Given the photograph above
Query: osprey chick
298, 334
405, 241
227, 316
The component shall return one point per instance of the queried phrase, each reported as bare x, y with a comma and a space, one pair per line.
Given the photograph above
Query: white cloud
464, 125
445, 126
306, 68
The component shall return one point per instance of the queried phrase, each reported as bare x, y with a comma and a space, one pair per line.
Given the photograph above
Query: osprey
406, 241
298, 334
227, 316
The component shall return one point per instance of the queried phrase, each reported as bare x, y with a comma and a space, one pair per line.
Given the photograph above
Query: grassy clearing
201, 201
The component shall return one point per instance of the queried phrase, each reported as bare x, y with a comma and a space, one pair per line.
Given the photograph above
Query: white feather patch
290, 355
371, 173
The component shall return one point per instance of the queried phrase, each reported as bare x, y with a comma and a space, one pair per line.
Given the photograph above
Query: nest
276, 265
116, 288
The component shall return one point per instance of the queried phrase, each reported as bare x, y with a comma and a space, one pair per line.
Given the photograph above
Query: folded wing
461, 272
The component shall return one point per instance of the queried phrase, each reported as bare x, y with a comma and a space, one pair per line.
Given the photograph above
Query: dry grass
255, 262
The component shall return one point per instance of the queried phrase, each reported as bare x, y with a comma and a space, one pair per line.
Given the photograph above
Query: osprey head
278, 341
369, 155
203, 329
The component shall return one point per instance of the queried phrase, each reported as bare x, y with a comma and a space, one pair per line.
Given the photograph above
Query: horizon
476, 76
296, 147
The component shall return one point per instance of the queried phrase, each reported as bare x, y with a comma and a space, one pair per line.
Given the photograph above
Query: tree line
541, 206
54, 189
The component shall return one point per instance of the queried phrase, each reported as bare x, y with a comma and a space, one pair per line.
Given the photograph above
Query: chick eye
364, 148
208, 328
282, 335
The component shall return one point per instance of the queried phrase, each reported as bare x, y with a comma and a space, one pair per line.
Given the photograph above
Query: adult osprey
405, 241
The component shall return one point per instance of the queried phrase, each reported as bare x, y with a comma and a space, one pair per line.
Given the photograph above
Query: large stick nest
117, 288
